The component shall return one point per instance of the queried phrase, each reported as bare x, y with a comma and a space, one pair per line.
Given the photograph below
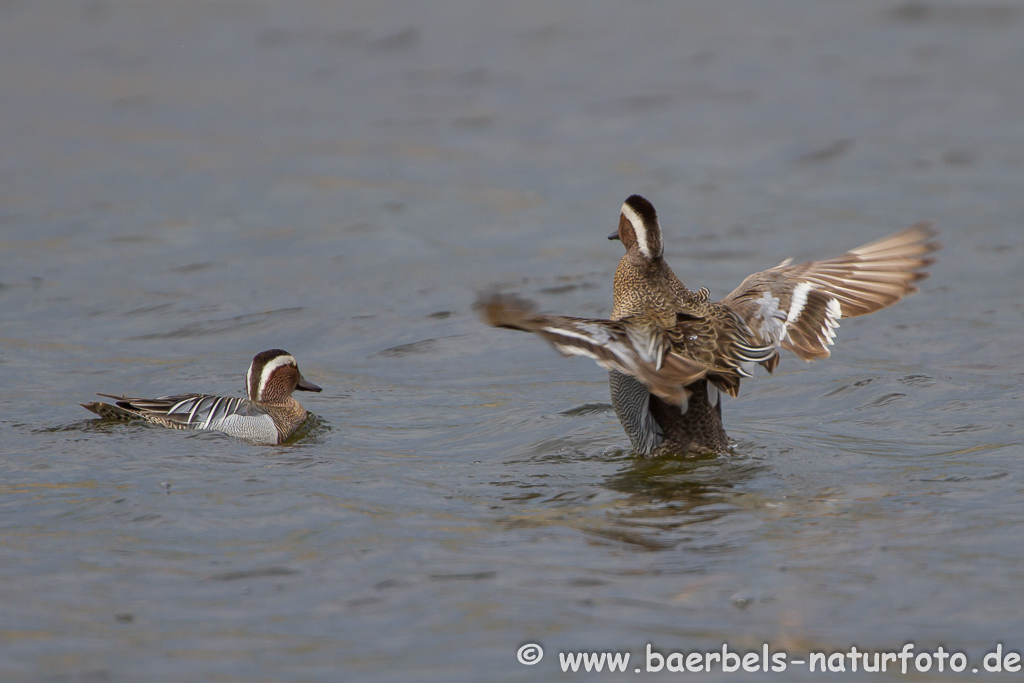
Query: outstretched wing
631, 346
798, 307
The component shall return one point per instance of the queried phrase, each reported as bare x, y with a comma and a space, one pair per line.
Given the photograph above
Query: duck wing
632, 346
798, 307
198, 411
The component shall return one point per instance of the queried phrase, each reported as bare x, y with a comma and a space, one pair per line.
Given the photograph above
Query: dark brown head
273, 376
639, 229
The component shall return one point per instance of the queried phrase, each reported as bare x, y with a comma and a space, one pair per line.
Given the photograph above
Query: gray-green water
183, 184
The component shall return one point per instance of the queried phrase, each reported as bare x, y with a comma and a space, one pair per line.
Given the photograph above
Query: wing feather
630, 346
198, 411
810, 298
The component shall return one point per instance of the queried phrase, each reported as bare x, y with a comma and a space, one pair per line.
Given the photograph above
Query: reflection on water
669, 500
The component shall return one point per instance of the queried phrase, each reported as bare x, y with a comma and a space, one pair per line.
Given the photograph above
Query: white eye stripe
270, 368
248, 382
639, 229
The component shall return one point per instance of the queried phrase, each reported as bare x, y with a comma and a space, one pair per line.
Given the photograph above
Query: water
183, 185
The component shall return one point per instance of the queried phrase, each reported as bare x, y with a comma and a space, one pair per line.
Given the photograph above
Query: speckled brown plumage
288, 415
699, 430
669, 350
645, 286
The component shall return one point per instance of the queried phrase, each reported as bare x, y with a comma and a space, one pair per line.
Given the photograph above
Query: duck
671, 351
267, 415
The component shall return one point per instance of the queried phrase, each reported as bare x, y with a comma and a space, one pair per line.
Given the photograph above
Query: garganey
670, 351
267, 415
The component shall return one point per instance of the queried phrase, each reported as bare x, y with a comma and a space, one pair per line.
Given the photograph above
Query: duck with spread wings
670, 351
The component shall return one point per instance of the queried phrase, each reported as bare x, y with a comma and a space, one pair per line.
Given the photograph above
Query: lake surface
184, 184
